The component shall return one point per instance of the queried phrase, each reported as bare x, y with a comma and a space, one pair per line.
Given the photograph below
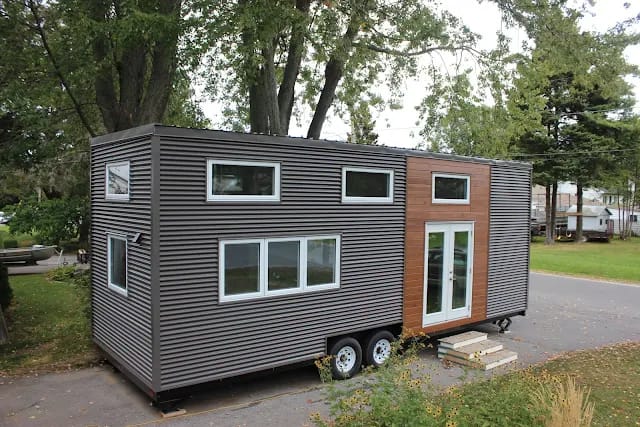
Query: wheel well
362, 335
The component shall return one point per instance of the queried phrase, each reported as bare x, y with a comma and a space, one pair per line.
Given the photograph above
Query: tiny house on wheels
217, 254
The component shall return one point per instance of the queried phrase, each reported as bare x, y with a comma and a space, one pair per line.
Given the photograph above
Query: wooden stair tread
486, 362
460, 340
472, 351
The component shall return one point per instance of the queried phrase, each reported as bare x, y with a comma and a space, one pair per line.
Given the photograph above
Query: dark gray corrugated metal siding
122, 325
202, 339
509, 239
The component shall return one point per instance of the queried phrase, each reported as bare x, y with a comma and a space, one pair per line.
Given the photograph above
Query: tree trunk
4, 333
579, 218
332, 75
554, 210
143, 92
547, 215
286, 93
271, 98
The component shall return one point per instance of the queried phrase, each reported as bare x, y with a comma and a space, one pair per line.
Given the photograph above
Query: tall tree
565, 98
339, 52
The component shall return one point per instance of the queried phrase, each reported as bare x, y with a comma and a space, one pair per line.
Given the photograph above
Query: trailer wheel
346, 358
378, 348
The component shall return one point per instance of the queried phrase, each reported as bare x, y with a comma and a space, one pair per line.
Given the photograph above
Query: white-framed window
238, 181
117, 263
254, 268
448, 188
365, 185
633, 218
117, 180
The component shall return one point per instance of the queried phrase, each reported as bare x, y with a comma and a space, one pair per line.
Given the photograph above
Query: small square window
360, 185
117, 263
117, 181
450, 189
243, 181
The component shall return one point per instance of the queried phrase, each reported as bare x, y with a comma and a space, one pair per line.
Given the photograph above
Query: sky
399, 128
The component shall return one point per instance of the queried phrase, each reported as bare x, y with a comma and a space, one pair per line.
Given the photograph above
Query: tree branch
57, 69
396, 52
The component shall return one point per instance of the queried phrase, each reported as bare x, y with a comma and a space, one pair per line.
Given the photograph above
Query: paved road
565, 314
45, 265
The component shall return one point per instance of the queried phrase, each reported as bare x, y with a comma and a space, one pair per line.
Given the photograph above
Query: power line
574, 153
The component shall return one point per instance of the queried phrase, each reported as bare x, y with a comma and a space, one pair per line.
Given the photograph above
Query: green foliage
54, 219
6, 293
348, 53
400, 393
10, 243
392, 395
61, 274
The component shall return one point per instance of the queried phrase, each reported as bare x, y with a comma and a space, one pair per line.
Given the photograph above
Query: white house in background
596, 222
633, 218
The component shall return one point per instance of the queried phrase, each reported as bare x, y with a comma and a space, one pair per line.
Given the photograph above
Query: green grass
612, 374
48, 327
618, 260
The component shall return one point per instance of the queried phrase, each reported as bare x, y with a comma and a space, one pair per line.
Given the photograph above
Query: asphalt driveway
564, 314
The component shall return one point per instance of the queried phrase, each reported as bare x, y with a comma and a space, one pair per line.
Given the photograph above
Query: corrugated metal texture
122, 325
202, 339
509, 234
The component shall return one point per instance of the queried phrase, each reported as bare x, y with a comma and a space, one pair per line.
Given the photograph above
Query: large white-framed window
366, 185
254, 268
449, 188
242, 181
117, 180
117, 263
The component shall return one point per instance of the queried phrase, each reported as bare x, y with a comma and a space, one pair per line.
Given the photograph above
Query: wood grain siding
420, 210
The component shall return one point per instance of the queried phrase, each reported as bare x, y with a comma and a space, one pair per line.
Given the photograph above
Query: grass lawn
612, 374
618, 260
48, 327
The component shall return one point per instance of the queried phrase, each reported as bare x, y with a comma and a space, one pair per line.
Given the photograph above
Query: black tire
346, 359
378, 348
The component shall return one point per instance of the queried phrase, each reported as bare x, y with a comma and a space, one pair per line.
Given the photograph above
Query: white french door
448, 263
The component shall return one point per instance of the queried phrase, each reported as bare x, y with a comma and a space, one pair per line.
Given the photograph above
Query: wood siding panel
421, 210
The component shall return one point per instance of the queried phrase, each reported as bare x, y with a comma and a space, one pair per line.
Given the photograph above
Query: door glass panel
460, 263
435, 270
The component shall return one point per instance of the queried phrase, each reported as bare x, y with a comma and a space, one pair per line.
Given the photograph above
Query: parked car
5, 217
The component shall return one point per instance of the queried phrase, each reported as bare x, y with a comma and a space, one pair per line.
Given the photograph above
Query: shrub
393, 395
10, 244
565, 404
82, 282
6, 293
62, 274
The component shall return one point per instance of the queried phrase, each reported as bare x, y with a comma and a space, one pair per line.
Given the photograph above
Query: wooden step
460, 340
486, 362
472, 351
